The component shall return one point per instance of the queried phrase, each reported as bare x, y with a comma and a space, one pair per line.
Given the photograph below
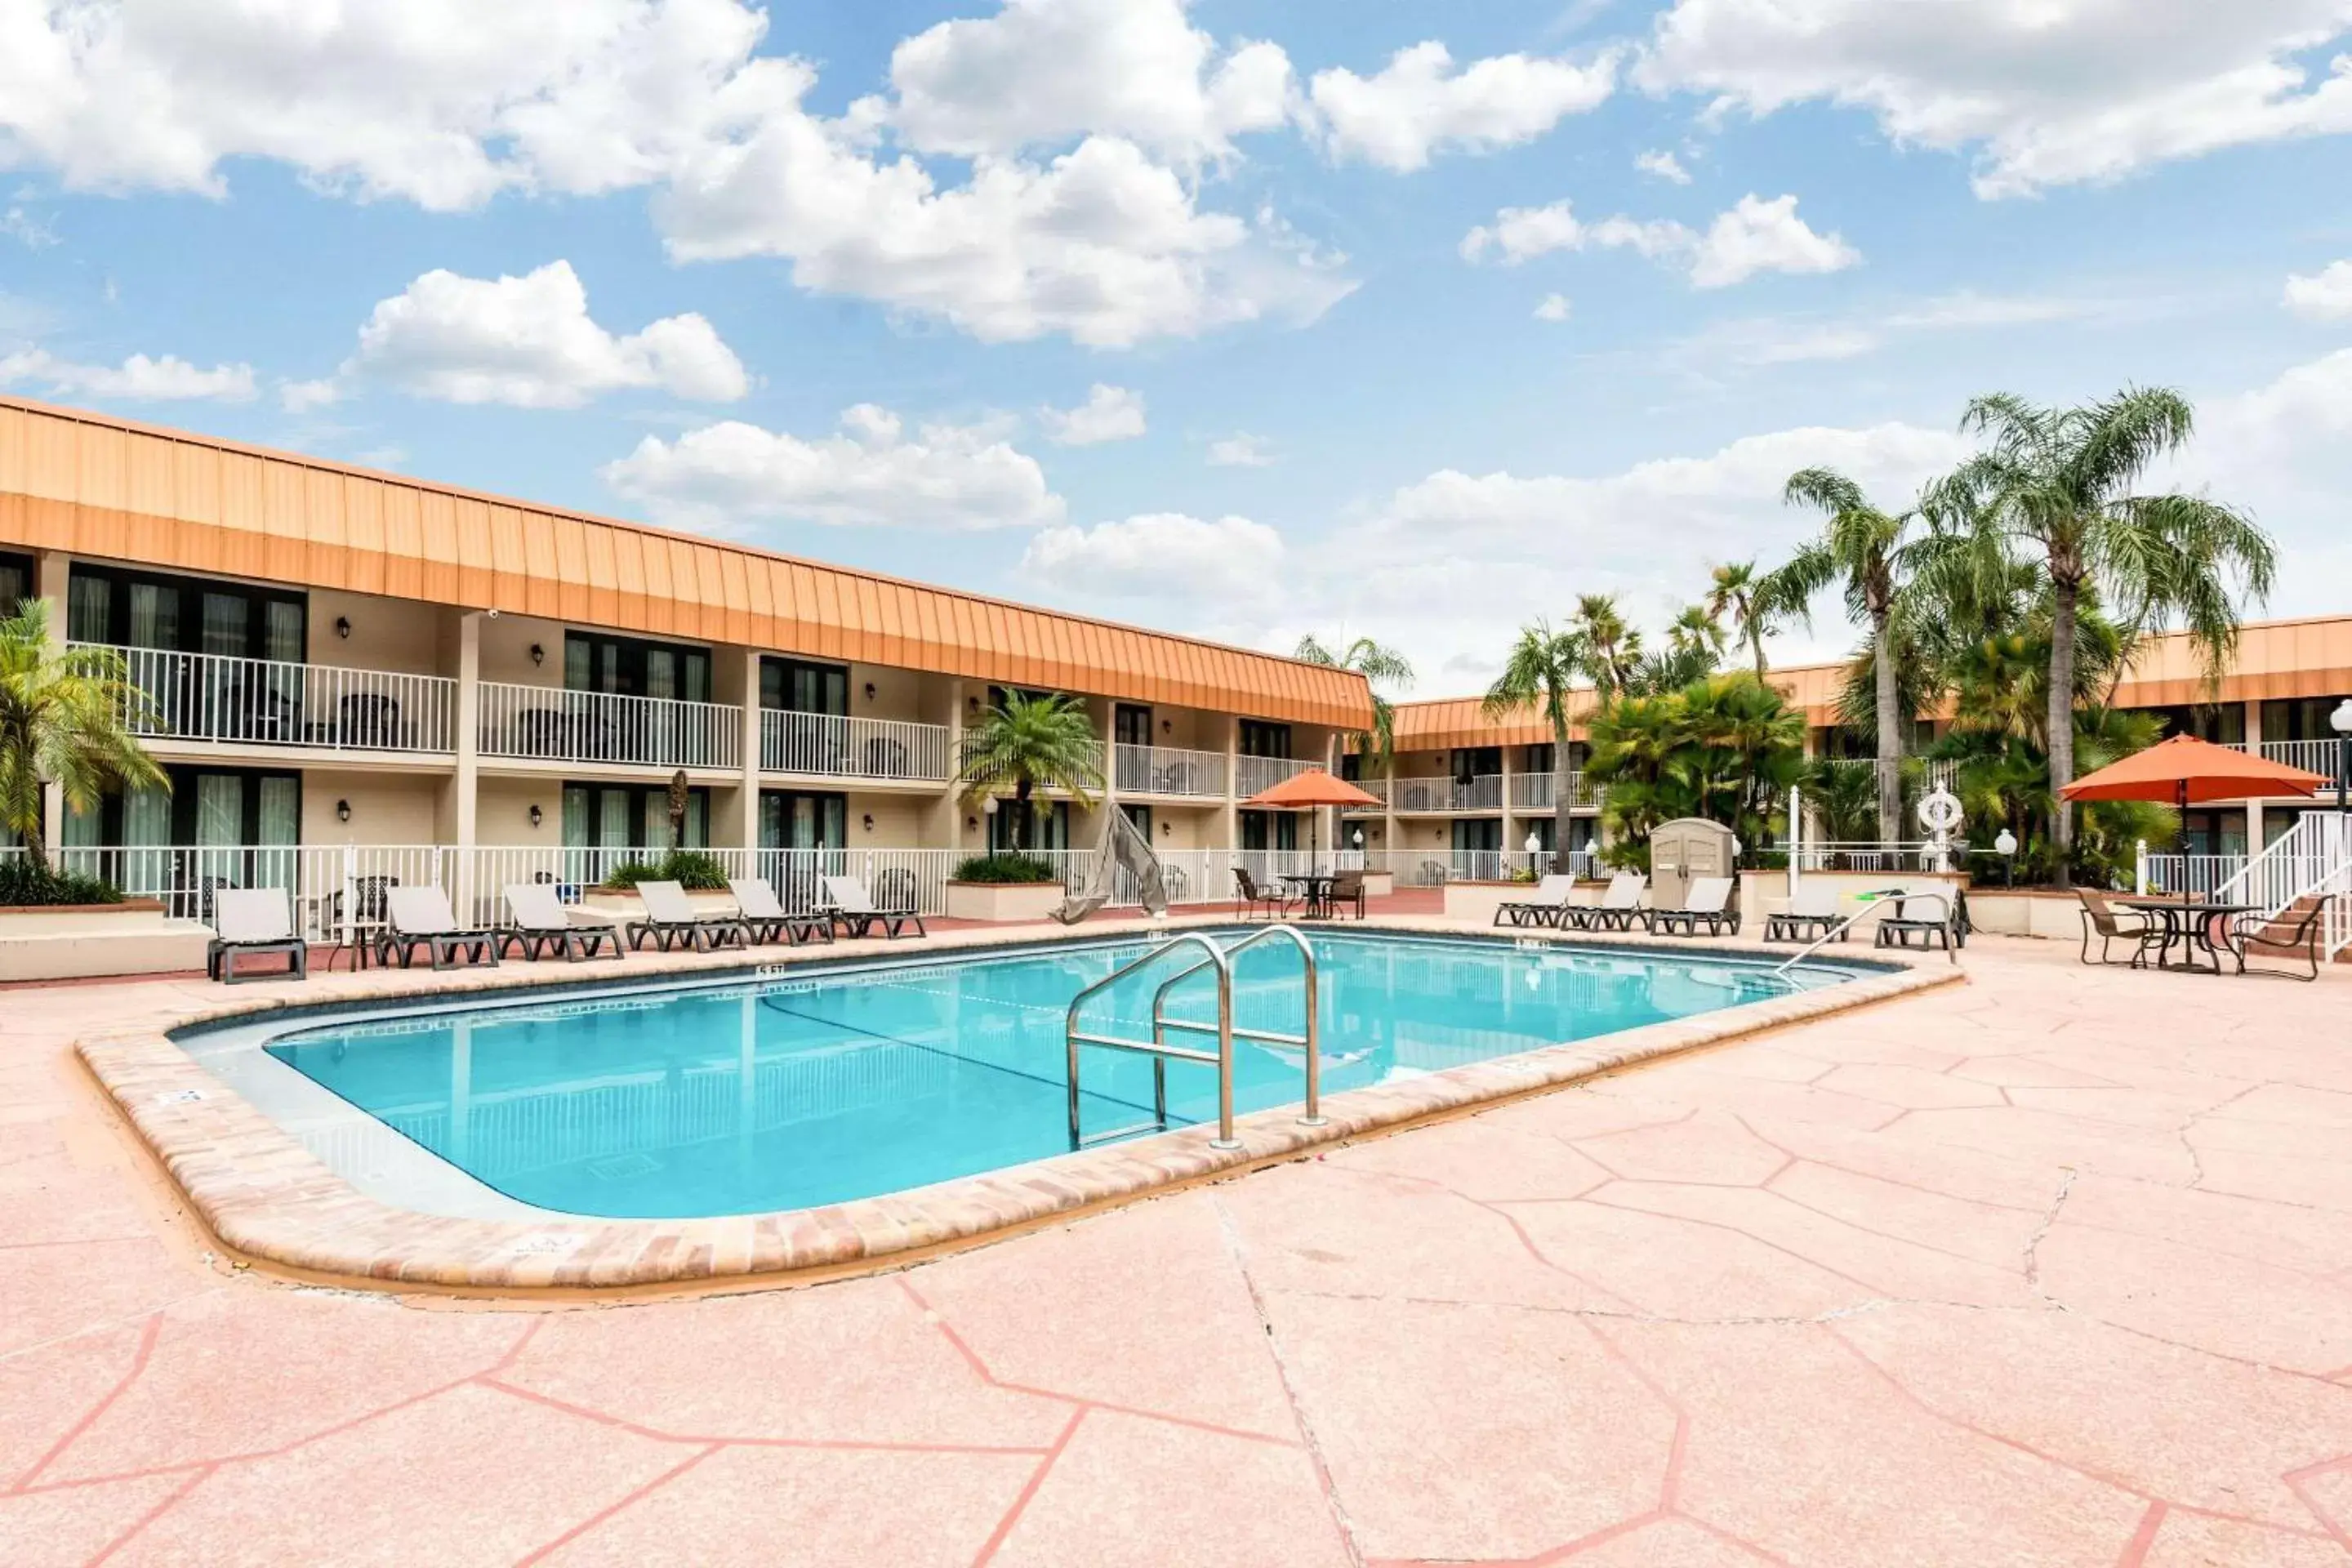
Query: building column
2254, 725
50, 572
465, 787
1511, 835
747, 827
951, 804
1229, 815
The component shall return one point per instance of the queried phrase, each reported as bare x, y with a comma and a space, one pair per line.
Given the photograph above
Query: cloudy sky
1384, 317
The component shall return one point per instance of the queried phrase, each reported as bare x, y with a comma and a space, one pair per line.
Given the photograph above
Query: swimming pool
751, 1095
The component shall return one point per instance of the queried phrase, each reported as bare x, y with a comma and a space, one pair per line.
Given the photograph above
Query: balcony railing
1254, 775
971, 744
270, 702
1378, 789
548, 723
1533, 792
834, 747
1441, 794
2312, 756
1164, 770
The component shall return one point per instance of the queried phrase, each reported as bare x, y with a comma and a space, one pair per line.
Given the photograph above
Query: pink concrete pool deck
2052, 1268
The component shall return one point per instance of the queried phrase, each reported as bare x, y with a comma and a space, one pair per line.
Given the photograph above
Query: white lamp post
2341, 722
2005, 845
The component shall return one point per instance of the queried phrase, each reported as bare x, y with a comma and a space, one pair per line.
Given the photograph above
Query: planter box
2050, 916
77, 941
1025, 902
1477, 902
1378, 884
624, 904
1765, 893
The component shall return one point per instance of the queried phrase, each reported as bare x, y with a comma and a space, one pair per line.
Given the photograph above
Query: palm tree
1755, 601
1380, 666
1873, 553
68, 717
2058, 484
1541, 673
1026, 742
1611, 649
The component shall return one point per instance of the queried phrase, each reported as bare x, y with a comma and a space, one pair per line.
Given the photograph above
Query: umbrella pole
2180, 792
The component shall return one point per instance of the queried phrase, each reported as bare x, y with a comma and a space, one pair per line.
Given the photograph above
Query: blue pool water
781, 1094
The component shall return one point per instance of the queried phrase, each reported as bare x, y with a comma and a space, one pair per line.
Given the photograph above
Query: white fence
1252, 774
835, 747
1535, 792
1483, 792
1378, 789
260, 701
550, 724
336, 888
2197, 875
2313, 756
2313, 859
1163, 770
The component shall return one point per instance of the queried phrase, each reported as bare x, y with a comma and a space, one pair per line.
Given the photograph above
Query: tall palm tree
68, 717
1873, 553
1755, 601
1611, 647
1380, 666
1541, 673
1029, 741
2058, 485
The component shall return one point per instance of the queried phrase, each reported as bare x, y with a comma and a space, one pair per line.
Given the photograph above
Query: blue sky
642, 257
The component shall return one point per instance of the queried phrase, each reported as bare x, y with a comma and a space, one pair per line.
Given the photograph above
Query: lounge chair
671, 919
1812, 912
537, 922
420, 918
765, 917
2291, 936
1347, 888
1705, 899
1928, 913
1547, 906
254, 920
2111, 925
1619, 908
1248, 895
850, 910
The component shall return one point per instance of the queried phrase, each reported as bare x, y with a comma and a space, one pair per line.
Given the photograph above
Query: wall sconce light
971, 824
538, 654
971, 706
869, 822
1165, 830
343, 626
342, 811
535, 817
869, 691
1168, 726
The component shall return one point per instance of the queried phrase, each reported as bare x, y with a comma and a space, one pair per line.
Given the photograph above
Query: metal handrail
1309, 1039
1873, 896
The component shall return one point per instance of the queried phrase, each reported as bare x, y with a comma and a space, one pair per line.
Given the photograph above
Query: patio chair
1547, 906
1812, 911
1248, 895
850, 910
1706, 899
672, 918
1619, 908
765, 917
2111, 925
421, 918
1931, 914
254, 920
1347, 888
2290, 936
537, 922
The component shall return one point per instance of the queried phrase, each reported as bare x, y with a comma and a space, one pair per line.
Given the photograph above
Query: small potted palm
1024, 745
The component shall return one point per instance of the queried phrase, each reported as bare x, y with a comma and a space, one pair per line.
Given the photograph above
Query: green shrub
26, 882
693, 870
1522, 874
1007, 868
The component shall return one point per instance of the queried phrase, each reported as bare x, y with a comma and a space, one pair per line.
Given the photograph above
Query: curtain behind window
89, 609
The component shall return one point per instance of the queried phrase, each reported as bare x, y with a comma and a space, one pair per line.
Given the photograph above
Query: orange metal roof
97, 486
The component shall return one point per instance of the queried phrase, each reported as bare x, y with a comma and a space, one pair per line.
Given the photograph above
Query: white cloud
2049, 93
138, 378
528, 342
1553, 308
1418, 104
2322, 296
729, 475
32, 233
1757, 342
1757, 235
1664, 166
1109, 414
1240, 451
1160, 555
1047, 72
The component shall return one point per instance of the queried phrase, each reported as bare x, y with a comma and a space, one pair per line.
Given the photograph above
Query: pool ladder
1160, 1052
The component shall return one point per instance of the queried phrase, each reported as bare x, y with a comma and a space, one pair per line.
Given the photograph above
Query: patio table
2192, 924
1315, 888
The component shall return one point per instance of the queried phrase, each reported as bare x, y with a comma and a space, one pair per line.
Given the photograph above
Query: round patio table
1315, 888
2192, 924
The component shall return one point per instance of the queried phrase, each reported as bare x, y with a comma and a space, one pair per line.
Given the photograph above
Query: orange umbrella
1307, 789
2184, 770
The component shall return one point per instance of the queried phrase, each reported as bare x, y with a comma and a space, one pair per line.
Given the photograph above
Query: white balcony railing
1533, 792
1378, 789
971, 744
548, 723
1483, 792
832, 747
268, 702
1254, 775
2312, 756
1164, 770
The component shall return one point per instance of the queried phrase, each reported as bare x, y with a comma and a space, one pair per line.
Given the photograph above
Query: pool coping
266, 1200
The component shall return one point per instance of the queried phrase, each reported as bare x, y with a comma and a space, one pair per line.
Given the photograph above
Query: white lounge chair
1705, 899
767, 920
1545, 906
852, 910
254, 920
421, 918
1812, 911
1928, 911
1619, 908
671, 919
537, 922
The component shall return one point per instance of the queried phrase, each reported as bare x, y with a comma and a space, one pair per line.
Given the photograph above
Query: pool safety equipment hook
1208, 955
